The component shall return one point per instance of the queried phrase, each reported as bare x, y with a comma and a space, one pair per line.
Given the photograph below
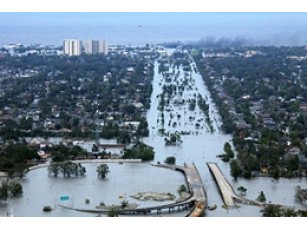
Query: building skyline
72, 47
91, 47
103, 47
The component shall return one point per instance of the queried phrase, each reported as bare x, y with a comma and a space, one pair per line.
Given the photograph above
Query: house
242, 125
303, 107
269, 123
293, 151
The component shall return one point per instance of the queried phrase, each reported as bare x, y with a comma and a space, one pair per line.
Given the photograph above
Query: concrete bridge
227, 192
196, 203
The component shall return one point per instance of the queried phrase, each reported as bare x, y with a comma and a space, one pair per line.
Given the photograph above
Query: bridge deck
225, 188
196, 188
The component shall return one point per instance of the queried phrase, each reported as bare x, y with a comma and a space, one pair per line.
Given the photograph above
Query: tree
182, 188
95, 148
235, 170
10, 188
174, 139
170, 160
261, 198
66, 168
300, 194
102, 170
272, 211
15, 188
228, 150
4, 191
124, 204
15, 157
54, 169
139, 151
275, 172
242, 190
113, 212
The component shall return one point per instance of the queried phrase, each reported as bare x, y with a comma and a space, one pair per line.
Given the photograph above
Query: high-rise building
72, 47
103, 47
95, 46
91, 47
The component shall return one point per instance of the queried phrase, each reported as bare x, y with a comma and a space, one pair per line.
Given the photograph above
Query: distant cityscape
71, 47
74, 47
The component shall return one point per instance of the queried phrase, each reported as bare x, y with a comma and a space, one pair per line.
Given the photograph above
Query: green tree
113, 212
228, 150
170, 160
95, 148
102, 170
235, 169
124, 204
242, 190
174, 139
272, 211
15, 188
139, 151
54, 169
4, 191
261, 198
300, 194
182, 188
66, 168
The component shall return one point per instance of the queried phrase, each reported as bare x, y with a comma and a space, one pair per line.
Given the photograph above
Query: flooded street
204, 146
199, 145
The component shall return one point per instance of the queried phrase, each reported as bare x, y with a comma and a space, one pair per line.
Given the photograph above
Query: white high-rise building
91, 47
72, 47
103, 47
95, 46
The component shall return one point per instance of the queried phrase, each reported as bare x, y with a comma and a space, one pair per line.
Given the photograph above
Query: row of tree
66, 169
69, 168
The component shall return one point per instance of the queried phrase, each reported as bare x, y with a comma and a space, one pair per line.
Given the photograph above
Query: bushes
139, 151
170, 160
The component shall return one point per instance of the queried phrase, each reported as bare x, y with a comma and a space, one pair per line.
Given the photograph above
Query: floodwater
200, 147
205, 146
124, 180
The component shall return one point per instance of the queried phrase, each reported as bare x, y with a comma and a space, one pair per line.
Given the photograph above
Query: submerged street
198, 141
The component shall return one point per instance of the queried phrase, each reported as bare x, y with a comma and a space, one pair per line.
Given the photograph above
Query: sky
260, 28
210, 19
261, 21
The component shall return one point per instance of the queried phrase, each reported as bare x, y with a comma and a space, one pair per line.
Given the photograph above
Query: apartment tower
95, 47
72, 47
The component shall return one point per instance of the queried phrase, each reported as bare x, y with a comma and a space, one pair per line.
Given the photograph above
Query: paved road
197, 189
226, 190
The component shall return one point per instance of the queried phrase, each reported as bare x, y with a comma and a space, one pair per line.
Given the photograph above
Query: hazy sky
255, 20
280, 27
